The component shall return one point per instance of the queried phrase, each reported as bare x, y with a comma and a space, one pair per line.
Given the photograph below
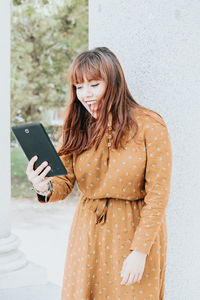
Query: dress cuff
43, 198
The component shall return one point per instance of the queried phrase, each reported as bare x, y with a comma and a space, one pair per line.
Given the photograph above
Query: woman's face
90, 93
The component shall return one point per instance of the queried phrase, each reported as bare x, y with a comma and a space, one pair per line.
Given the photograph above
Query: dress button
109, 128
109, 136
109, 144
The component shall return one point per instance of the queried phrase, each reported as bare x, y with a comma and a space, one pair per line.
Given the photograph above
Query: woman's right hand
39, 182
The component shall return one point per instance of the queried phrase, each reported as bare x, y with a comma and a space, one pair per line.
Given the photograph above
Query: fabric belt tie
99, 207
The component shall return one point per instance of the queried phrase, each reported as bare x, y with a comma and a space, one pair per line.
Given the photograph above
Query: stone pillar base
15, 270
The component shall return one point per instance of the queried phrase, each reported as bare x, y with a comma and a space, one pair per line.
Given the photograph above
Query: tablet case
34, 140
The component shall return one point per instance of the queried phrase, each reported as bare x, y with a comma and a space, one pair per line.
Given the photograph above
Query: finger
135, 279
32, 176
130, 280
45, 172
40, 168
139, 277
123, 266
125, 278
31, 164
122, 273
40, 183
123, 270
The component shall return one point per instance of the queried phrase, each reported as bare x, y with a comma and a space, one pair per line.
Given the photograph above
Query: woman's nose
88, 92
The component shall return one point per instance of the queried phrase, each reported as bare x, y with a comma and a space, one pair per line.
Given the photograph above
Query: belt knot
99, 207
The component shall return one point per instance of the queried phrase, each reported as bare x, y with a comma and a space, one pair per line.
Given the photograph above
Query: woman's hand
38, 181
133, 267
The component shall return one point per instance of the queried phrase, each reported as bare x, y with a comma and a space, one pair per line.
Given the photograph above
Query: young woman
119, 153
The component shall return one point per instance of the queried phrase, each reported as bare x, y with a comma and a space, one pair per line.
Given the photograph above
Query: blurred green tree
45, 36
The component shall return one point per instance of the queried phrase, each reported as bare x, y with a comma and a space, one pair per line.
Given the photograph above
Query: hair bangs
87, 69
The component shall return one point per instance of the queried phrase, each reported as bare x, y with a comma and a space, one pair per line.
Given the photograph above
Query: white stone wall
158, 45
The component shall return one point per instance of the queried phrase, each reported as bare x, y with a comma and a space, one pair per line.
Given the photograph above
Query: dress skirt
100, 237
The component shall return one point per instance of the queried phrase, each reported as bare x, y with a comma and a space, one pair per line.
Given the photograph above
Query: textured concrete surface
158, 45
48, 291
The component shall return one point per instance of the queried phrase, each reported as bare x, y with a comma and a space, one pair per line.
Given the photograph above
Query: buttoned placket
100, 206
109, 136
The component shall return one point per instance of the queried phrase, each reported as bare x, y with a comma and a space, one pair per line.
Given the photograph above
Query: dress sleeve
63, 185
157, 184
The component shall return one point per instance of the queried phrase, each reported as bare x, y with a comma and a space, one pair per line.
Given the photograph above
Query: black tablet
34, 140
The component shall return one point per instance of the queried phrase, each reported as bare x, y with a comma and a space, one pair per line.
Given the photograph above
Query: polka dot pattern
122, 208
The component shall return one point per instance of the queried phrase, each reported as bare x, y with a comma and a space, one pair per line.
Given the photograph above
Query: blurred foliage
45, 36
21, 187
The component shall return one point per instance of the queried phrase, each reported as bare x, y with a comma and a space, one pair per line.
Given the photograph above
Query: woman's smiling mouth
92, 104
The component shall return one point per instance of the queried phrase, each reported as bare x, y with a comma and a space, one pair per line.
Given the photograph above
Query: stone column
15, 270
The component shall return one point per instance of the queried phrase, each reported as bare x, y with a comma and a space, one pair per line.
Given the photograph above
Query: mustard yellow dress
124, 195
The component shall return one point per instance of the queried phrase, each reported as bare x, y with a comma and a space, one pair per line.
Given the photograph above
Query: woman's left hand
133, 267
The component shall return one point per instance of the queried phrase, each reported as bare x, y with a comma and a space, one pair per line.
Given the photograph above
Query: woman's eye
78, 87
93, 85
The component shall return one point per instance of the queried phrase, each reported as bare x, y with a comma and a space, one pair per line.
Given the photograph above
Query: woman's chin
94, 114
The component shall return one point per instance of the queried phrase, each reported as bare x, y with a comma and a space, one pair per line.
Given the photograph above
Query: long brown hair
80, 129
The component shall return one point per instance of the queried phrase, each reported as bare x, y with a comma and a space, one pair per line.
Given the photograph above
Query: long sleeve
63, 185
157, 183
